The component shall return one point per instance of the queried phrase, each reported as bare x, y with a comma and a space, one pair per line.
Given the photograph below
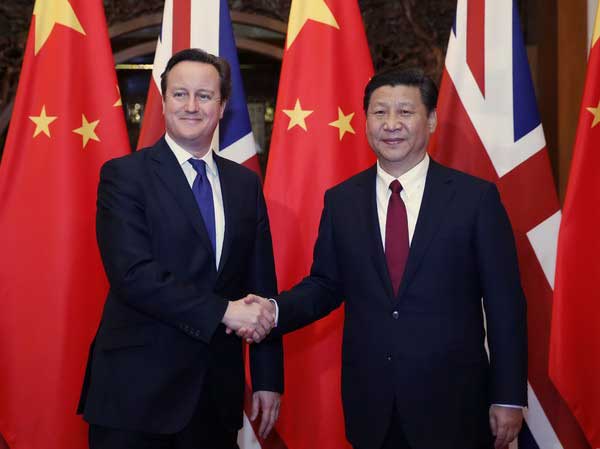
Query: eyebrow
393, 104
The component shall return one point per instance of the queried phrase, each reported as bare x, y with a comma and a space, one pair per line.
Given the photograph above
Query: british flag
206, 25
489, 126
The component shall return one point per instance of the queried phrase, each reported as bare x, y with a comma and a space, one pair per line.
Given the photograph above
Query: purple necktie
396, 236
204, 198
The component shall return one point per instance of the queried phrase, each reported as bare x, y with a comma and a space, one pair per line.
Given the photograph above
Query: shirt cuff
276, 310
510, 406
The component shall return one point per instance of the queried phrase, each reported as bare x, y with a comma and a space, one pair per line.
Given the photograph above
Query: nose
191, 105
392, 122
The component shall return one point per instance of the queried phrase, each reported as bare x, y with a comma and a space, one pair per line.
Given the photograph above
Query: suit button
389, 358
395, 315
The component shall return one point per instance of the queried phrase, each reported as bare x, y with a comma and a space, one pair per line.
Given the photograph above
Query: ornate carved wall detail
277, 9
122, 10
408, 32
15, 17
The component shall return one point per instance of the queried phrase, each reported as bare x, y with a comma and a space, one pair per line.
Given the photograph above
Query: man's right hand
252, 320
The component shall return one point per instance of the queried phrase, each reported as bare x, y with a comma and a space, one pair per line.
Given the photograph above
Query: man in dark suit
182, 233
411, 248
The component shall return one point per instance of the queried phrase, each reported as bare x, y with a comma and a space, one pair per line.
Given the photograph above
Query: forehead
194, 74
399, 94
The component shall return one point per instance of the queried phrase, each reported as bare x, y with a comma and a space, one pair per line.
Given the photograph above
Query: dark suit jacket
160, 339
423, 349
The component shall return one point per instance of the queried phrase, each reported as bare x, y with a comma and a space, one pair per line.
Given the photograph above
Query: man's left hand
267, 403
505, 423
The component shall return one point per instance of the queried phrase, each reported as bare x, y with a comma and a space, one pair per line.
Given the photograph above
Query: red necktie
396, 236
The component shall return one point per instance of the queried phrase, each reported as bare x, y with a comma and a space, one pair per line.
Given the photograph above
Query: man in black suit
182, 233
411, 248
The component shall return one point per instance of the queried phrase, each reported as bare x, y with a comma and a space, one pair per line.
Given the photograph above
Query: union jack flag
489, 126
206, 25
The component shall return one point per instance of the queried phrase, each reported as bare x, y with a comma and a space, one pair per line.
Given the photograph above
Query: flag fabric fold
575, 345
489, 126
66, 122
318, 141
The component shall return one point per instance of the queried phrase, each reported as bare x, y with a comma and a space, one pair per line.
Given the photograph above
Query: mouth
190, 119
393, 140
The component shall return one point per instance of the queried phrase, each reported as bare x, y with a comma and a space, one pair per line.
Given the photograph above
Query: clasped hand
251, 318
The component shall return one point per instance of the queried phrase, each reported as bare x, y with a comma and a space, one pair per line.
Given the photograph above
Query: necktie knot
199, 165
395, 186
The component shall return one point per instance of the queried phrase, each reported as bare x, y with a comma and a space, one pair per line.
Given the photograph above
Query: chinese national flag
318, 141
67, 120
575, 340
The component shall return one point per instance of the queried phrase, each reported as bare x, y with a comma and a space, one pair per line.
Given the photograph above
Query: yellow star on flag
304, 10
596, 113
42, 122
297, 116
49, 13
87, 130
343, 123
118, 102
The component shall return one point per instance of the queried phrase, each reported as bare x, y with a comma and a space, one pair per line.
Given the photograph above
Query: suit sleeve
504, 302
136, 278
321, 292
266, 358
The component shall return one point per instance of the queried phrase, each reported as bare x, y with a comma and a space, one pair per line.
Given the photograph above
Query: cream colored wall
591, 9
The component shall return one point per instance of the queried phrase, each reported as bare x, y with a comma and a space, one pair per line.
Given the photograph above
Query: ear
223, 105
432, 121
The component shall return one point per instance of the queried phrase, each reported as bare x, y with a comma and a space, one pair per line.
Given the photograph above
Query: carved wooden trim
138, 23
266, 23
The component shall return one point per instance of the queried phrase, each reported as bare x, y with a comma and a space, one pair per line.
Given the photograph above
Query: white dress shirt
212, 173
413, 186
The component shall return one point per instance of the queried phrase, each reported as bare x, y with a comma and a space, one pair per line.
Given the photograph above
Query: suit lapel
370, 225
436, 198
226, 180
167, 169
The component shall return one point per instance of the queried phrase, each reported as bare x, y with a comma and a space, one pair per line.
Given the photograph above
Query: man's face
192, 105
398, 127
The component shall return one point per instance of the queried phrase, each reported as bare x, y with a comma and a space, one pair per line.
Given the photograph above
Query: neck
198, 150
197, 153
399, 168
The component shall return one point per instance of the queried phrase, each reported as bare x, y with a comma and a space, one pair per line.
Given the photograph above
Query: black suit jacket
160, 340
423, 349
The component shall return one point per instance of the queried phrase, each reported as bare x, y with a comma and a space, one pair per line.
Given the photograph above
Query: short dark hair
199, 55
404, 77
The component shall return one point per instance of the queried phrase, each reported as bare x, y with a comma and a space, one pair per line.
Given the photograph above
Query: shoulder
459, 179
133, 161
365, 178
232, 170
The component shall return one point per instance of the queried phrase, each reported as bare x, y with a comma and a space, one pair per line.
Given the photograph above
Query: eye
204, 97
179, 94
406, 112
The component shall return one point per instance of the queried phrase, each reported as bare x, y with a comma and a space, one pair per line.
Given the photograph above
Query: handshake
251, 318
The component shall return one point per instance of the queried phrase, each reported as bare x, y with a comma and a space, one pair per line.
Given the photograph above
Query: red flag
575, 342
318, 141
489, 126
67, 120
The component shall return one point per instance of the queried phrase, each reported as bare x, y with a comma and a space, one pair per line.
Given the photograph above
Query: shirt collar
183, 156
411, 181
